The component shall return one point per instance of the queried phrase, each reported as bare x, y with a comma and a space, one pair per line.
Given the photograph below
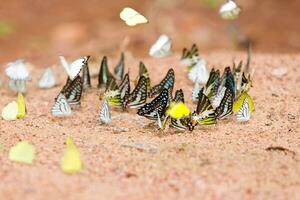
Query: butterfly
18, 74
22, 152
216, 100
86, 79
61, 107
190, 57
131, 17
21, 106
157, 107
166, 83
74, 68
104, 73
230, 10
204, 113
112, 93
138, 97
105, 115
244, 114
225, 107
182, 123
124, 87
246, 83
199, 72
10, 111
71, 161
73, 91
119, 69
144, 72
47, 79
162, 47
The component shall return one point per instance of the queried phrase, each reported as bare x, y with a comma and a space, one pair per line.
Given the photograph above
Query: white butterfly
17, 70
47, 79
199, 72
244, 114
74, 68
230, 10
131, 17
162, 47
105, 115
61, 108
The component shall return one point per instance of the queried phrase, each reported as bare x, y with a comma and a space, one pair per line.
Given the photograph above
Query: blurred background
39, 30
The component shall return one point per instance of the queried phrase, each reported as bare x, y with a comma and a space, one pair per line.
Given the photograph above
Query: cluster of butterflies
219, 98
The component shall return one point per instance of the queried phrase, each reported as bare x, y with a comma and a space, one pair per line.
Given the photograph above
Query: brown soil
227, 161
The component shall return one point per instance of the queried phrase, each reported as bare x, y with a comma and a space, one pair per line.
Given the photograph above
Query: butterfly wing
244, 114
166, 83
105, 115
157, 106
205, 113
86, 78
124, 87
119, 69
73, 91
132, 17
61, 107
225, 108
138, 96
162, 47
104, 73
74, 68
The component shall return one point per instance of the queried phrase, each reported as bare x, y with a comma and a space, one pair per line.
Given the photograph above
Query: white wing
74, 68
61, 108
216, 100
132, 17
195, 91
229, 10
199, 72
17, 70
105, 115
47, 79
162, 47
243, 114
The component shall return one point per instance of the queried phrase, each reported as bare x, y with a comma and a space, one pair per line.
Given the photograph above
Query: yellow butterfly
178, 110
10, 111
22, 152
21, 106
131, 17
71, 161
240, 100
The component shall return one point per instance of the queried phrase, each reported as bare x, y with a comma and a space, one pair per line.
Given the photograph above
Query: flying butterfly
131, 17
86, 79
166, 83
104, 74
73, 91
225, 108
157, 107
144, 72
205, 113
138, 97
190, 54
124, 87
61, 108
105, 115
119, 69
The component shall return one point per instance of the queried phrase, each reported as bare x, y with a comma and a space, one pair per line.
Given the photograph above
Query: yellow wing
71, 161
10, 111
178, 110
239, 102
22, 152
21, 106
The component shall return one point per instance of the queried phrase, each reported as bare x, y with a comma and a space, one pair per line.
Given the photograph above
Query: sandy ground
228, 161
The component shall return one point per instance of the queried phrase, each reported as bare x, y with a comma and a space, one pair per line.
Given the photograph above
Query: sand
227, 161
